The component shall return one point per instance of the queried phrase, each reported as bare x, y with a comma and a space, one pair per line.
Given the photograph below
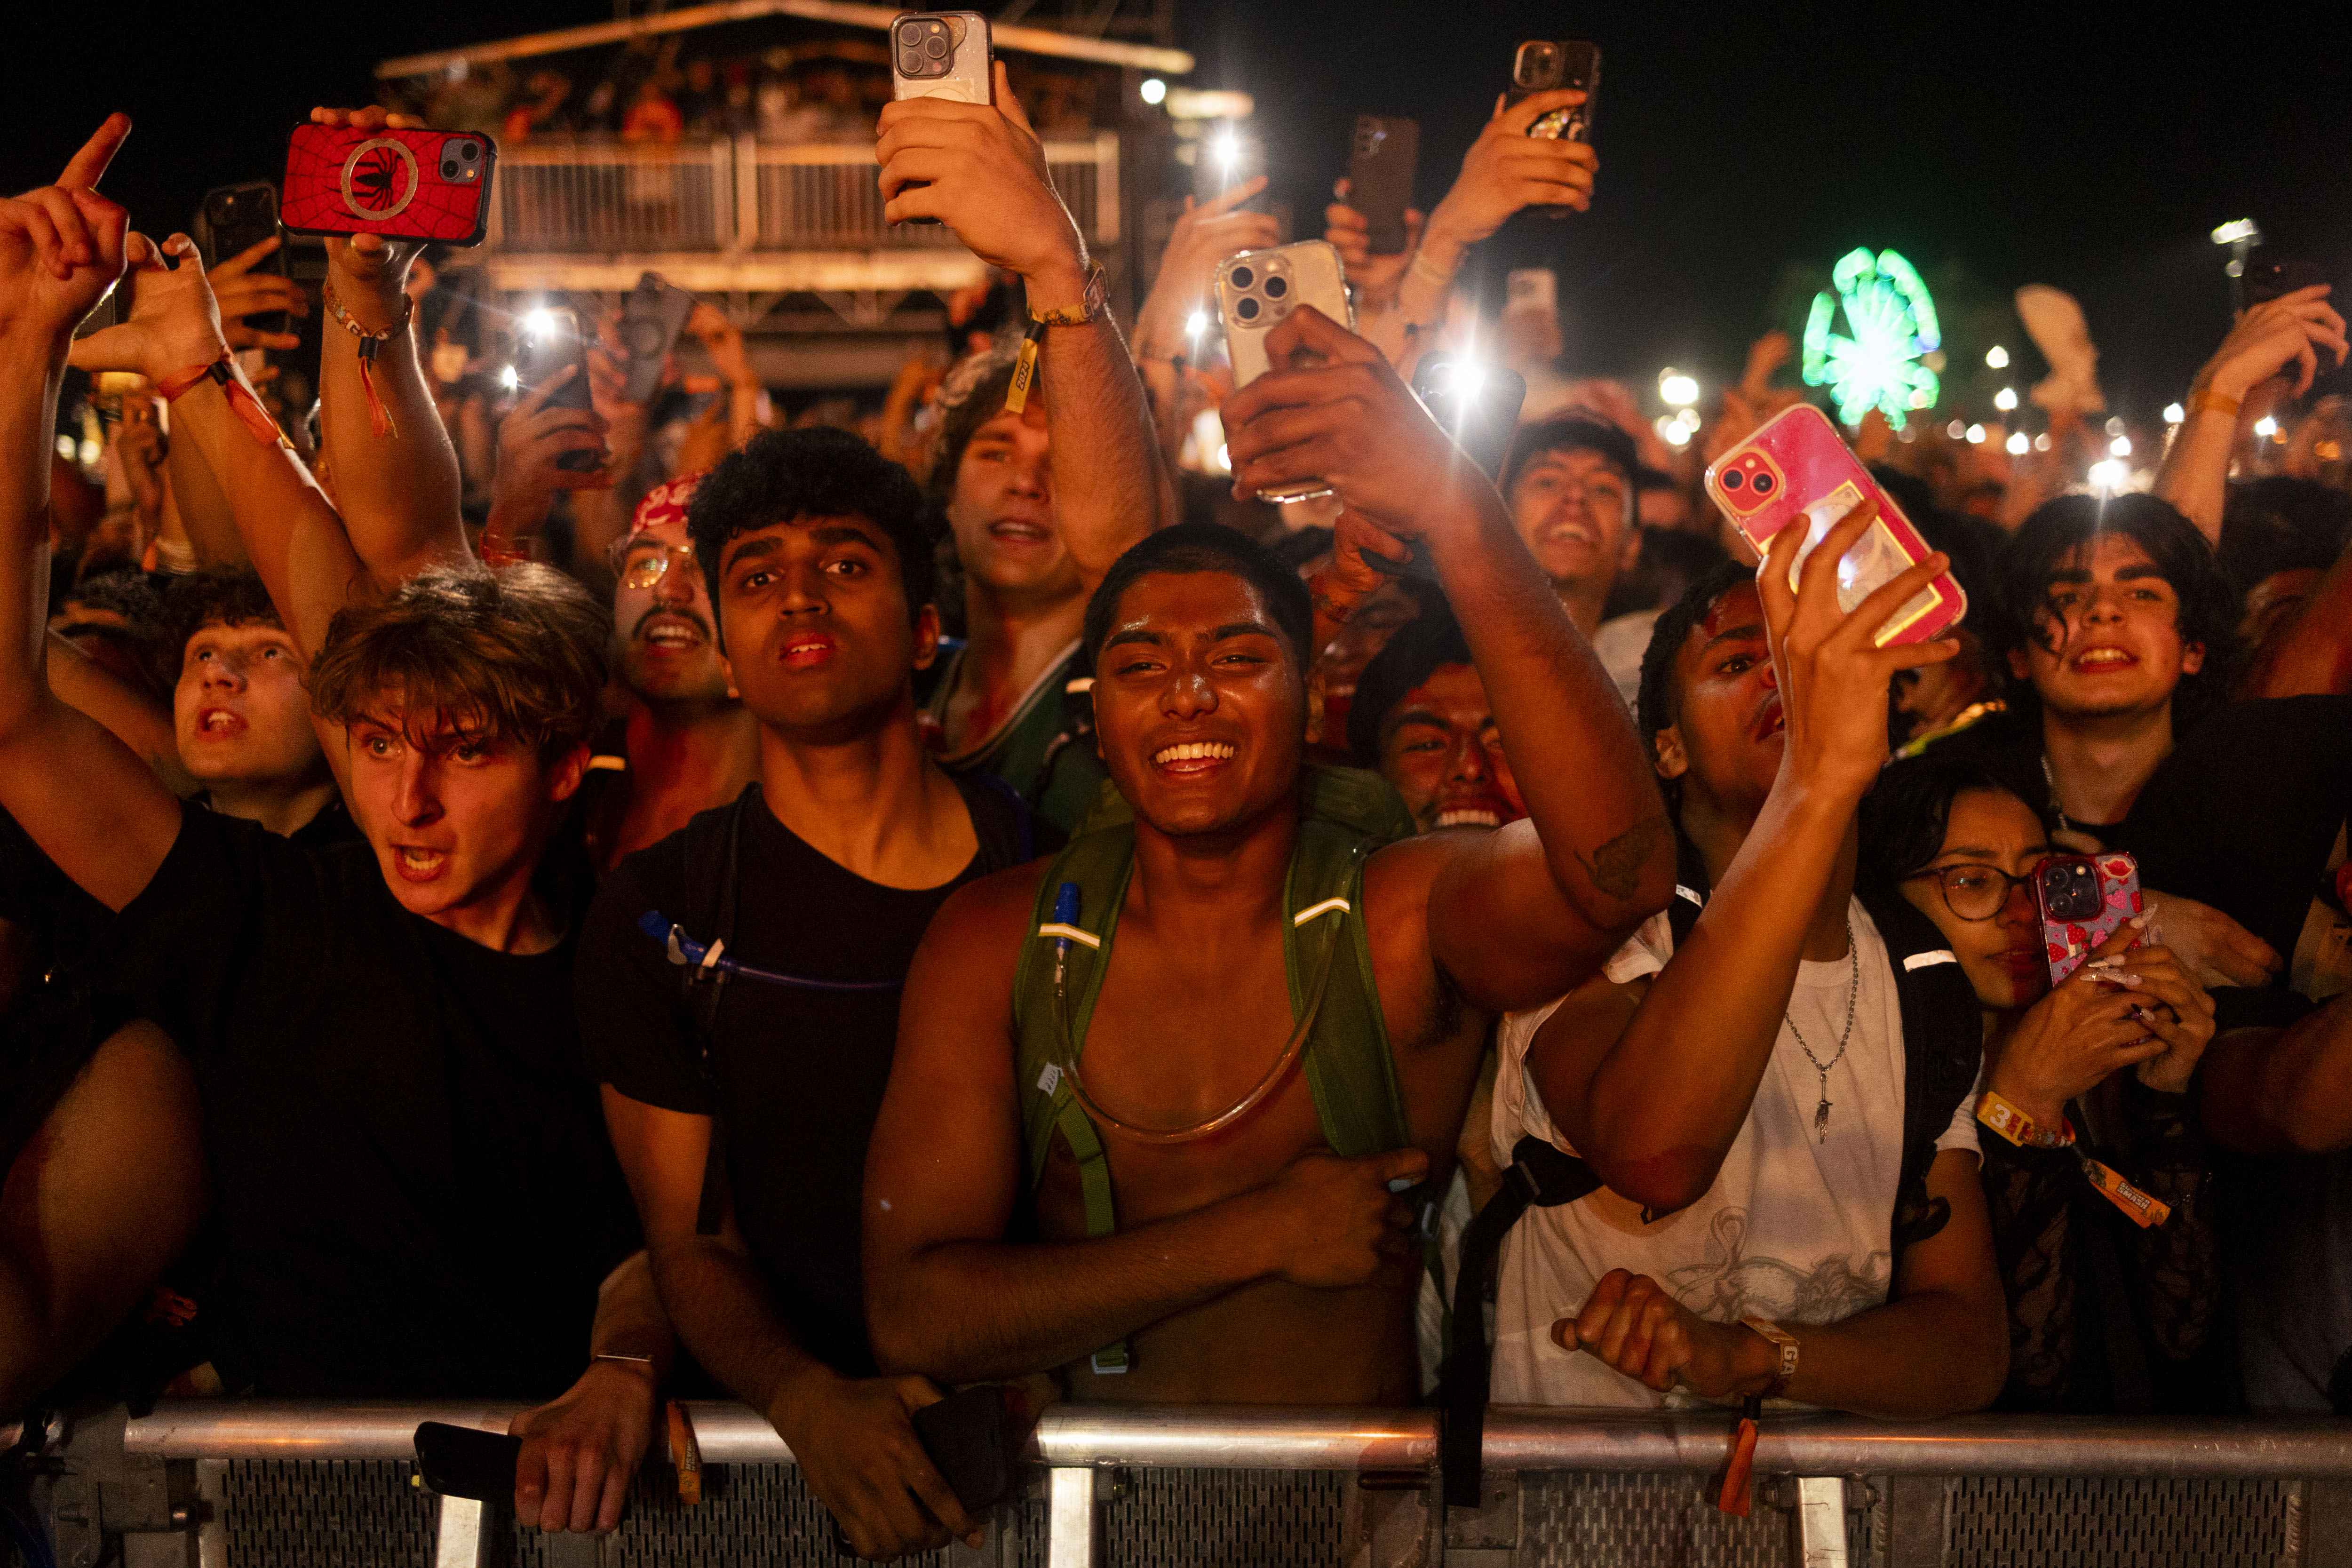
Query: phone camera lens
1243, 277
468, 151
910, 35
1246, 310
1733, 479
936, 46
1762, 485
448, 171
1275, 287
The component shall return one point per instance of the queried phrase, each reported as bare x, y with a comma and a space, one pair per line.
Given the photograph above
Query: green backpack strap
1350, 1068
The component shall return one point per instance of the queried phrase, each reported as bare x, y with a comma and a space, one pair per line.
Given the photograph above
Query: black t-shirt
799, 1071
410, 1173
2243, 814
2009, 746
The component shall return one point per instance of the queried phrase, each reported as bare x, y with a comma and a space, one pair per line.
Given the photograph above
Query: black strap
1540, 1177
713, 861
1001, 820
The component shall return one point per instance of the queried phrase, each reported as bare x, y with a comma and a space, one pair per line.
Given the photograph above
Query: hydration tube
685, 951
1066, 915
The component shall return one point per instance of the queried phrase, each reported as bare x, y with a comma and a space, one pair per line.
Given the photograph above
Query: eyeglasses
641, 563
1973, 892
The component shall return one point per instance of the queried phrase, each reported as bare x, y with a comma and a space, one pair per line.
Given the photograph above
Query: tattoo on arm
1616, 867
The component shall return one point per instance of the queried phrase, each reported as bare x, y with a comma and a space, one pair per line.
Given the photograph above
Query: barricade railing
1128, 1484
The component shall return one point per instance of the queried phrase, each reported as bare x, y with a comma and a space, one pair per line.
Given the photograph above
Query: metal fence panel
563, 201
2104, 1521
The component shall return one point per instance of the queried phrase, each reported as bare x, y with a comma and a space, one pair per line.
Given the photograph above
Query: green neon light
1891, 321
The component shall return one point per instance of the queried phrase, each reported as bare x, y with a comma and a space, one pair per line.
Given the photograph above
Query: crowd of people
839, 919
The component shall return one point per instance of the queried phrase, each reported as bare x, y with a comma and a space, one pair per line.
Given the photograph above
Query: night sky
2090, 148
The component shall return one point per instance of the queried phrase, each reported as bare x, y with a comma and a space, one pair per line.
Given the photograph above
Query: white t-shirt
1796, 1227
1619, 643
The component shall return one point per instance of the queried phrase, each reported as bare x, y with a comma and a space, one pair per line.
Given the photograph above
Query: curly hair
780, 475
219, 595
973, 394
515, 654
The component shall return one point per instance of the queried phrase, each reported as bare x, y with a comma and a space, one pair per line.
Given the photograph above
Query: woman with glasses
2089, 1128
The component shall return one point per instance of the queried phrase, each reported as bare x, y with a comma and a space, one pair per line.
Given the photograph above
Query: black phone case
236, 218
463, 1461
537, 359
1380, 166
1578, 64
976, 1442
651, 319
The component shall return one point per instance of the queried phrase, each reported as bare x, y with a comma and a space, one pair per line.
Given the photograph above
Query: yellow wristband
2018, 1128
2214, 403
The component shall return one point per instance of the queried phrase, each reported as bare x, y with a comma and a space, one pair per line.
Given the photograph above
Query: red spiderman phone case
2084, 899
402, 184
1797, 466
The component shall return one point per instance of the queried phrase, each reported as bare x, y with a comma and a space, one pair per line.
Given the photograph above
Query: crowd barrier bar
1080, 1445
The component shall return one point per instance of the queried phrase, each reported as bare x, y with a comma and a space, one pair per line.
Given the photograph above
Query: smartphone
1477, 403
235, 219
941, 54
431, 185
1225, 158
464, 1461
1380, 176
1256, 291
973, 1439
1541, 65
652, 316
2082, 899
2268, 278
1798, 467
548, 338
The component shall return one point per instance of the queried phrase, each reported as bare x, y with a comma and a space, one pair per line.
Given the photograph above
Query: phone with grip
425, 185
1796, 468
1256, 291
2084, 901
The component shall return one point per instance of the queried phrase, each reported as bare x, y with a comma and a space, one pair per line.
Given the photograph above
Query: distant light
510, 379
1908, 434
2174, 414
1976, 434
2041, 443
1192, 103
2120, 447
1196, 323
2018, 444
1154, 89
67, 447
1689, 419
1677, 388
2240, 231
2005, 399
2266, 427
2110, 474
1672, 431
1997, 357
1956, 430
537, 324
1224, 458
2116, 426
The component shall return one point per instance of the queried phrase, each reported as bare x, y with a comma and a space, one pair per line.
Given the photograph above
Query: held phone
548, 338
431, 185
941, 54
1225, 158
652, 316
1797, 467
1256, 291
974, 1439
2267, 277
2082, 899
1542, 64
237, 218
1379, 177
1477, 403
464, 1461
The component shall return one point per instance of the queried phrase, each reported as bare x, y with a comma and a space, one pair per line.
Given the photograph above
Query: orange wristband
2214, 403
241, 400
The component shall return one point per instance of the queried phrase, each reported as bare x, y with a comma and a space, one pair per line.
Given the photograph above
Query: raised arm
2288, 330
979, 169
1652, 1085
396, 474
1524, 913
85, 798
945, 1170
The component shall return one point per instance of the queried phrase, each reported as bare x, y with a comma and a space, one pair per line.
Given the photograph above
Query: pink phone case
391, 182
1798, 467
2067, 936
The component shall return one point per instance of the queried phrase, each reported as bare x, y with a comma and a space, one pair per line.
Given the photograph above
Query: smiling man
1195, 1236
1421, 719
1571, 482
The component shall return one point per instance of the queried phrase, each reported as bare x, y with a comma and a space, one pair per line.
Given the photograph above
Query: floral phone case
1798, 467
429, 185
2082, 899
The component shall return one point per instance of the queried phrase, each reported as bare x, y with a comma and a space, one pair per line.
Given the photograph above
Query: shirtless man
1253, 1264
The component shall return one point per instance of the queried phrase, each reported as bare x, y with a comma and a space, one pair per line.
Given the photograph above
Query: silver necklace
2056, 805
1852, 991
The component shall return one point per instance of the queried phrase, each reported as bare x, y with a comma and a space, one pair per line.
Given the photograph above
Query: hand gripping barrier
245, 1484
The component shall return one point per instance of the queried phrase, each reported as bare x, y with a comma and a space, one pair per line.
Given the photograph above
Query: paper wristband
2019, 1129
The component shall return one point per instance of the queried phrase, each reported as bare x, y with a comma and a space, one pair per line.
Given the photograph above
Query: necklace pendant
1821, 1120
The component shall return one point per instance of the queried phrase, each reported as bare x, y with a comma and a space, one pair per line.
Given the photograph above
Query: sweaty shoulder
989, 916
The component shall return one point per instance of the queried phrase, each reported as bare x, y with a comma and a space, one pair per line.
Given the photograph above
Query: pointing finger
86, 167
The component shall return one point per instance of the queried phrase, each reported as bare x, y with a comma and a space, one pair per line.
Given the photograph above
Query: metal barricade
228, 1484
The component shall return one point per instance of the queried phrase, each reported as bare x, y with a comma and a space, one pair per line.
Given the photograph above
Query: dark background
2088, 147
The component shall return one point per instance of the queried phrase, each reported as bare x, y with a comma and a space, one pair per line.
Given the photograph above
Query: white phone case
1256, 291
967, 80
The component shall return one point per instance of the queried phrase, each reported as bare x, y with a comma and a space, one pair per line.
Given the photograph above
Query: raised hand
173, 324
61, 245
2289, 330
979, 169
1336, 1222
239, 292
1832, 676
374, 267
1374, 278
1341, 415
1507, 169
723, 339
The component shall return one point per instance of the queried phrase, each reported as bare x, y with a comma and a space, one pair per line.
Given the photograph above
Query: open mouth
671, 633
2101, 660
805, 650
1467, 815
1019, 530
219, 721
1772, 720
417, 864
1193, 756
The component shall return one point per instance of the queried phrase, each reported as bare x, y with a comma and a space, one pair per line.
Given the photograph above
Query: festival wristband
1429, 272
2214, 403
2019, 1129
1783, 1342
241, 401
379, 416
